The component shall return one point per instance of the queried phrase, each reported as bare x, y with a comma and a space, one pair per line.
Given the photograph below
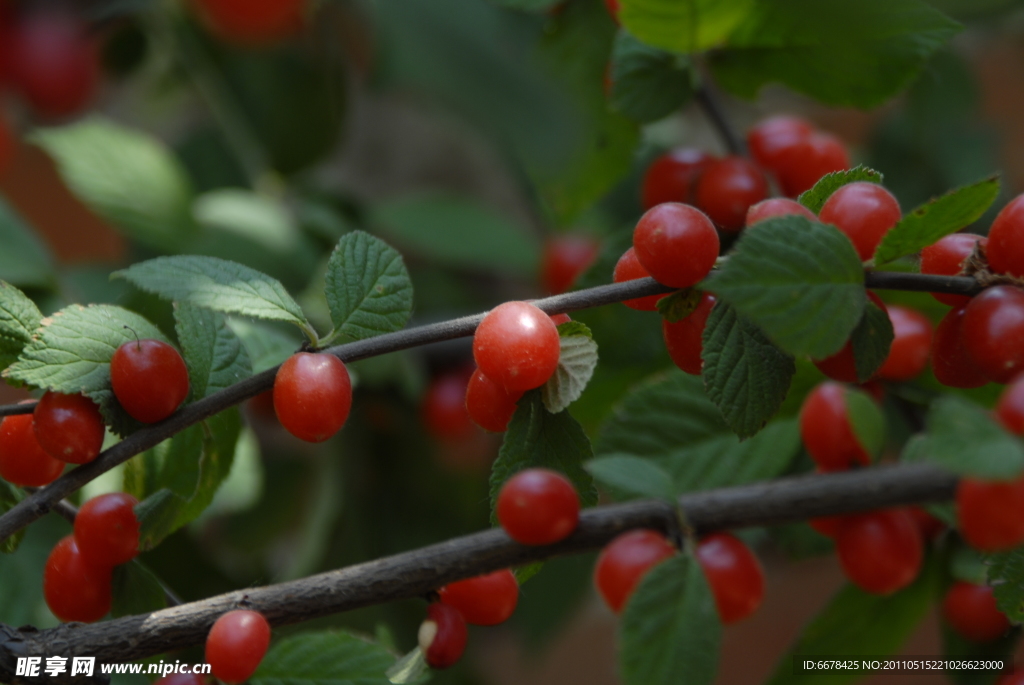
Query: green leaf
964, 438
936, 219
745, 374
249, 216
19, 318
815, 198
135, 590
538, 438
670, 632
527, 5
866, 419
689, 26
213, 353
129, 178
846, 54
577, 359
368, 288
628, 477
267, 347
9, 496
328, 657
679, 305
1005, 573
24, 260
800, 281
216, 284
458, 232
648, 84
871, 341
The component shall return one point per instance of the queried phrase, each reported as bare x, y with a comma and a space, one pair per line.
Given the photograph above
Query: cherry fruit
864, 212
149, 379
672, 177
946, 258
951, 363
107, 530
624, 562
236, 644
312, 395
734, 574
564, 259
485, 600
1006, 239
971, 611
881, 551
684, 338
252, 21
74, 589
777, 206
22, 460
726, 191
1010, 407
442, 636
827, 432
489, 405
676, 243
68, 427
990, 514
443, 409
993, 328
517, 346
912, 339
803, 164
770, 138
538, 507
629, 268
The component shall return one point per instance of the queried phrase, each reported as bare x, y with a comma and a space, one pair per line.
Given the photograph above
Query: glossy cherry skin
777, 206
107, 529
252, 21
864, 212
971, 611
489, 405
676, 243
770, 138
946, 258
149, 379
727, 189
1006, 239
672, 177
827, 432
624, 562
912, 340
951, 363
442, 636
564, 259
1010, 407
684, 338
993, 332
880, 551
312, 395
734, 574
990, 514
485, 600
629, 268
236, 644
800, 166
517, 346
68, 427
538, 507
22, 460
74, 589
443, 409
842, 366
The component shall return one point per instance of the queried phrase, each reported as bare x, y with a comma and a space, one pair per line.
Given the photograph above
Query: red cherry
252, 21
684, 338
971, 611
312, 395
149, 379
864, 212
442, 635
486, 600
827, 432
993, 331
564, 259
881, 551
444, 407
727, 189
489, 405
676, 244
22, 460
629, 268
800, 166
107, 529
912, 338
1010, 408
624, 562
777, 206
1005, 247
673, 176
236, 644
68, 427
946, 258
929, 526
74, 589
734, 574
538, 507
517, 345
951, 364
991, 513
842, 366
771, 137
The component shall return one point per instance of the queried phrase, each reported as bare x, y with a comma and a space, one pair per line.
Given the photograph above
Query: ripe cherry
564, 259
443, 409
68, 427
312, 395
107, 530
236, 644
442, 636
538, 507
1005, 248
252, 21
880, 551
676, 243
629, 268
864, 212
946, 258
624, 562
912, 338
727, 189
149, 379
951, 364
1010, 407
777, 206
842, 366
485, 600
990, 514
517, 346
771, 137
684, 338
22, 460
800, 166
971, 611
672, 177
827, 432
734, 574
489, 405
74, 589
993, 327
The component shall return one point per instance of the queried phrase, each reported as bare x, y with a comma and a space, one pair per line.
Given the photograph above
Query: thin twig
708, 100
